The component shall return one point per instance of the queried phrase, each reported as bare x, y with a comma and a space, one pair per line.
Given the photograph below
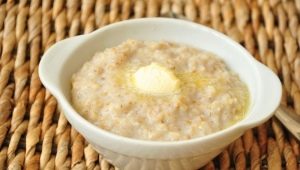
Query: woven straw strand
19, 110
3, 156
255, 156
3, 131
91, 157
49, 110
278, 134
17, 162
289, 157
9, 36
274, 161
5, 110
47, 147
77, 152
61, 159
224, 160
15, 139
126, 9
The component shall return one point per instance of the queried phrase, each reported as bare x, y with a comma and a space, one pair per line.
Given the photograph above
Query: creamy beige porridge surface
211, 97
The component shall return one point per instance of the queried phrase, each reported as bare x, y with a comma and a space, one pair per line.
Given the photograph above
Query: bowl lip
69, 110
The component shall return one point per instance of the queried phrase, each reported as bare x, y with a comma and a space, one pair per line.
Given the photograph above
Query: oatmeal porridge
158, 91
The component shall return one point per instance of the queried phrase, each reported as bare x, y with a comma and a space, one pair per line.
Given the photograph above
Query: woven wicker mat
33, 132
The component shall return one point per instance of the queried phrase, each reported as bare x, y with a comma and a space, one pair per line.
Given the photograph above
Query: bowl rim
69, 110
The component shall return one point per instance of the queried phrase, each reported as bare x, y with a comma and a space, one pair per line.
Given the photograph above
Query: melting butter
155, 79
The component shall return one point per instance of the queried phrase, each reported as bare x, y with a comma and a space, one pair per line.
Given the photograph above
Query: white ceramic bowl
67, 56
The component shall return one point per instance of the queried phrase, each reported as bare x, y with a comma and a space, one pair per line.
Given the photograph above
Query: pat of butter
154, 79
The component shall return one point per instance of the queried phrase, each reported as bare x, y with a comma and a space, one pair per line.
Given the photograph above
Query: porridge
158, 91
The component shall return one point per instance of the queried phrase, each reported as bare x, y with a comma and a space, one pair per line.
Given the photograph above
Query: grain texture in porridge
210, 96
